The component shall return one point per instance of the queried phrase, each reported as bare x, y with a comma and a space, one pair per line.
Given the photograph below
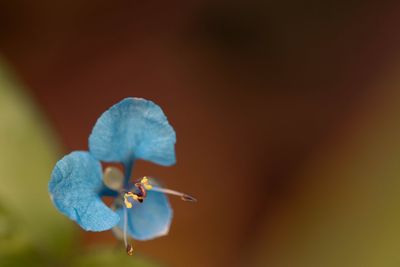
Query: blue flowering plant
132, 129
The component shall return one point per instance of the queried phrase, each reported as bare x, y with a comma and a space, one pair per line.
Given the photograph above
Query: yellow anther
127, 195
145, 182
127, 203
148, 186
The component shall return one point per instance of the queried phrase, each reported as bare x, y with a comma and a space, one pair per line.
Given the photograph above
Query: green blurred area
102, 257
28, 151
32, 232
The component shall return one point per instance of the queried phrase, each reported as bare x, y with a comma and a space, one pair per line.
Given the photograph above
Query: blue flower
130, 130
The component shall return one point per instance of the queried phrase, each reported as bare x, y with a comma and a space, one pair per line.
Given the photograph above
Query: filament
128, 246
183, 196
125, 226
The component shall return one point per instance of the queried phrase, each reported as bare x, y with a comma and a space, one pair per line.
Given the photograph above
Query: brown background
254, 89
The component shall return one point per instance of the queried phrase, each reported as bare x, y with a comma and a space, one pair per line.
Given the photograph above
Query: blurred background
287, 116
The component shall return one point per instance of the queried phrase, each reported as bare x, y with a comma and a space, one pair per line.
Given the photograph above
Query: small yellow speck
126, 201
145, 182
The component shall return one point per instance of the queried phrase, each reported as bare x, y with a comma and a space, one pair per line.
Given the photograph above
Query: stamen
128, 246
183, 196
186, 197
127, 203
129, 250
143, 191
128, 195
145, 182
125, 226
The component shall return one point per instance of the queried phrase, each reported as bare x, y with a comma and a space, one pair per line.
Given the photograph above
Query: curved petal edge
134, 128
73, 187
150, 219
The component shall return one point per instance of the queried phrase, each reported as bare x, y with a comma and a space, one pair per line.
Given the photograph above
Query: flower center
139, 195
133, 194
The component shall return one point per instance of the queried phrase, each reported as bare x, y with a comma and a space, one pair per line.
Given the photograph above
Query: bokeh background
287, 115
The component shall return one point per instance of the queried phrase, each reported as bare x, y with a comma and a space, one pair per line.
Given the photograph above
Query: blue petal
149, 219
134, 128
74, 186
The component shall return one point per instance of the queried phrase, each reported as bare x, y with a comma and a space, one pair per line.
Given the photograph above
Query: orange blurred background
276, 105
